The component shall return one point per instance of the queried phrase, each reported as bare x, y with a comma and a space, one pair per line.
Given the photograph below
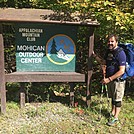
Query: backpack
129, 51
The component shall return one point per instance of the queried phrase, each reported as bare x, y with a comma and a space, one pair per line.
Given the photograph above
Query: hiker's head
112, 41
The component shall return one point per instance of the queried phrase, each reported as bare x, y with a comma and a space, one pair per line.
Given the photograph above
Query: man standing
113, 68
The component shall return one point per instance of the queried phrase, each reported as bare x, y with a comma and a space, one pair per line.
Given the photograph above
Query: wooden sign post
45, 51
2, 74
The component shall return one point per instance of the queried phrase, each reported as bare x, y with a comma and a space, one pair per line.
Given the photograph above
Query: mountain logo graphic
60, 49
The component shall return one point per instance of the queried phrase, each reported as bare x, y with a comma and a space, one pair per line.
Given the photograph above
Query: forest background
114, 16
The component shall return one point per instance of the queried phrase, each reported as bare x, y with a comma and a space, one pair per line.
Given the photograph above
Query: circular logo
60, 49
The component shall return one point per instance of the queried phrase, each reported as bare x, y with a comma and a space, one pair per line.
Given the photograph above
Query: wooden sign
45, 47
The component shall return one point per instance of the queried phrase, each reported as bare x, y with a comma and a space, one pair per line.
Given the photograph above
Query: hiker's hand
105, 80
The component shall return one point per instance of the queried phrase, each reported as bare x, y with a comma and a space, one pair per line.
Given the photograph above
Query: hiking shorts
116, 90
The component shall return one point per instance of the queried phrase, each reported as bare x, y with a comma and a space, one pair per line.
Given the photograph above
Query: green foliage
12, 91
114, 19
12, 105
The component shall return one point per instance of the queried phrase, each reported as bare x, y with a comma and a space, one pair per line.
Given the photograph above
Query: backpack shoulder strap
117, 51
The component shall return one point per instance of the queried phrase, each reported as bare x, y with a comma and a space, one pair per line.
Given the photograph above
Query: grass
58, 118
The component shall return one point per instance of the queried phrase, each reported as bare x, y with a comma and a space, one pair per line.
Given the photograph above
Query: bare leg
113, 110
117, 111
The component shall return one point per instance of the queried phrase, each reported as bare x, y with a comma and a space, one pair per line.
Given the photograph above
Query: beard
111, 47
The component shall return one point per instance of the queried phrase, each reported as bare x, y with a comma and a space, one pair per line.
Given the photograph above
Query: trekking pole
108, 101
102, 90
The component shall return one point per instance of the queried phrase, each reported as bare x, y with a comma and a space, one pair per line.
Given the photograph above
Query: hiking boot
114, 121
111, 116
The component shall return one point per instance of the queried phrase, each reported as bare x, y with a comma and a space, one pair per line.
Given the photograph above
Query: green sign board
45, 47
